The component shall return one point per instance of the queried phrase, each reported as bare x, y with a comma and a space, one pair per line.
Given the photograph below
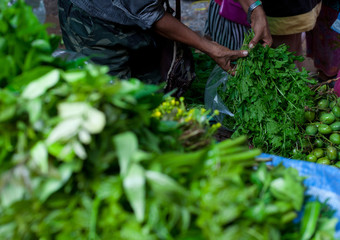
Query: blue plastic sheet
336, 24
322, 181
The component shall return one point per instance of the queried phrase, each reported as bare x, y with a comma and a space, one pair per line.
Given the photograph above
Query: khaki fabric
294, 24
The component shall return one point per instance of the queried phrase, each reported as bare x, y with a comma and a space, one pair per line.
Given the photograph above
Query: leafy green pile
268, 96
83, 159
316, 223
70, 143
260, 205
83, 156
24, 42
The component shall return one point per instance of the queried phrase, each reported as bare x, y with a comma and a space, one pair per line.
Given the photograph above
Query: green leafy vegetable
268, 96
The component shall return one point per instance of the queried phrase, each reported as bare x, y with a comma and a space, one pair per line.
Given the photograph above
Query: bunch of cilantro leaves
268, 95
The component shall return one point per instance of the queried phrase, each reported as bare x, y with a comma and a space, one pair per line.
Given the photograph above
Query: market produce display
84, 155
268, 96
323, 128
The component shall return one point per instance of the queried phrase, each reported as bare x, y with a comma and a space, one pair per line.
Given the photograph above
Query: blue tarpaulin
322, 181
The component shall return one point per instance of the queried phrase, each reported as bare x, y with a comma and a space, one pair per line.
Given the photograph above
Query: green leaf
111, 188
131, 85
40, 86
34, 108
84, 136
74, 75
126, 144
94, 121
11, 192
62, 151
8, 105
25, 78
326, 229
163, 184
7, 112
285, 188
134, 186
72, 109
65, 130
310, 219
52, 184
39, 157
79, 150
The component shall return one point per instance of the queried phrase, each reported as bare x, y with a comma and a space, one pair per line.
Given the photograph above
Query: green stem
175, 160
237, 149
284, 95
93, 219
249, 155
232, 142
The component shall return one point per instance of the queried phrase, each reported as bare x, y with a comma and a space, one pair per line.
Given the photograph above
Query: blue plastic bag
336, 24
322, 181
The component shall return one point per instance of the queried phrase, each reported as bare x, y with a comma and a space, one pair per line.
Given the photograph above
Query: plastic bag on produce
322, 181
69, 55
211, 98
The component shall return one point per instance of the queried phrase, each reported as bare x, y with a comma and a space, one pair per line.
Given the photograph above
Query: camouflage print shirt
142, 13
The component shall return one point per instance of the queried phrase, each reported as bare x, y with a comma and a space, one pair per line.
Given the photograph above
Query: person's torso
125, 12
287, 8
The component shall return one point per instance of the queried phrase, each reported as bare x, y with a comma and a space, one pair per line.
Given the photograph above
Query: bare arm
171, 28
258, 23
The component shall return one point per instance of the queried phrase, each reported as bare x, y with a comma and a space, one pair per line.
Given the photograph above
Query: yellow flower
188, 119
157, 114
215, 126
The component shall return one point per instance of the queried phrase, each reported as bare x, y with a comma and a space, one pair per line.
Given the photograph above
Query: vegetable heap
267, 97
24, 42
87, 156
323, 128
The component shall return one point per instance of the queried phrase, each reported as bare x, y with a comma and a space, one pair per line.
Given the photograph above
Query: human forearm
171, 28
246, 4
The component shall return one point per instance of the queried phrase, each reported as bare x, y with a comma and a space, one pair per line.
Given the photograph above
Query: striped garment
223, 31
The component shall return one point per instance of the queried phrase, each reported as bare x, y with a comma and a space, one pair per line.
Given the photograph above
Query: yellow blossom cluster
174, 110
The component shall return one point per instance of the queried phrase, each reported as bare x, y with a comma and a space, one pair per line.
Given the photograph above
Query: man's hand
258, 23
224, 56
261, 29
171, 28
